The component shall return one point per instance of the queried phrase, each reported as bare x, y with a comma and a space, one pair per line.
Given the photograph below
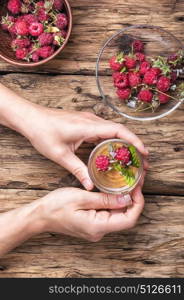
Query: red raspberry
163, 98
138, 46
35, 29
7, 22
14, 6
163, 84
59, 38
21, 28
172, 59
45, 39
35, 56
12, 30
61, 21
145, 95
124, 94
144, 67
29, 18
121, 81
46, 51
173, 77
134, 79
21, 53
130, 62
150, 77
157, 71
58, 4
116, 75
140, 56
20, 43
42, 15
123, 154
102, 162
116, 63
40, 4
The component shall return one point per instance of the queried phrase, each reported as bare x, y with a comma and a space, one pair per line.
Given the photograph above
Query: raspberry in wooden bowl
33, 32
115, 167
140, 72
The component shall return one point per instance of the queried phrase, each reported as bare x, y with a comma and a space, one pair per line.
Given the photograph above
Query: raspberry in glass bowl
33, 32
140, 72
115, 167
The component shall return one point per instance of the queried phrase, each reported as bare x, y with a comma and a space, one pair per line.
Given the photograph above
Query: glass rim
114, 190
104, 98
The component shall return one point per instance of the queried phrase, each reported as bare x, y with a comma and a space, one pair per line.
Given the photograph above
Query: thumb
73, 164
92, 200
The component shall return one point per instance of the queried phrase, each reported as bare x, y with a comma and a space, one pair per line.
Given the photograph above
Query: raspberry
12, 30
102, 162
45, 39
42, 15
58, 4
173, 77
130, 62
150, 77
61, 21
116, 63
163, 84
123, 154
59, 38
21, 28
21, 53
121, 81
115, 75
29, 18
64, 33
20, 43
145, 95
134, 79
144, 67
40, 4
157, 71
163, 98
172, 59
35, 56
35, 29
46, 51
14, 6
123, 94
7, 22
138, 46
140, 56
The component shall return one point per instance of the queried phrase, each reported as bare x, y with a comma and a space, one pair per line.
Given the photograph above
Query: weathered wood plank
152, 249
95, 21
22, 167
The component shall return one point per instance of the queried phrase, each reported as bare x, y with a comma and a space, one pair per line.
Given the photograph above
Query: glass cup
112, 180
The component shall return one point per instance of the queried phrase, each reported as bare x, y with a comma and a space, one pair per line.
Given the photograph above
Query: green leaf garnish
128, 174
161, 63
135, 158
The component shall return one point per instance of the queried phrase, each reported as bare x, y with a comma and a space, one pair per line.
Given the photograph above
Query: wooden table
155, 246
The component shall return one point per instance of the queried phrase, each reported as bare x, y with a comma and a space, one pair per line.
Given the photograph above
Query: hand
89, 215
57, 135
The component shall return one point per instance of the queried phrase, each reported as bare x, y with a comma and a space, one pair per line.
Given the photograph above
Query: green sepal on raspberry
134, 156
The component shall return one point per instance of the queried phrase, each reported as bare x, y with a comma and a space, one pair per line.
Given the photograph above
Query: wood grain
23, 167
152, 249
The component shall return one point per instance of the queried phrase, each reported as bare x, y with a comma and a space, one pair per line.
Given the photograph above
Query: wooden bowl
8, 54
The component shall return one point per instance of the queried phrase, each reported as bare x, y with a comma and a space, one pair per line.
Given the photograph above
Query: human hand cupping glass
57, 135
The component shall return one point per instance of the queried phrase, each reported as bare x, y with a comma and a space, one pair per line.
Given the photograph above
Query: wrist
16, 112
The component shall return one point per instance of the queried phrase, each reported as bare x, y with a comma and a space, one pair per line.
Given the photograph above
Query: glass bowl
110, 181
157, 42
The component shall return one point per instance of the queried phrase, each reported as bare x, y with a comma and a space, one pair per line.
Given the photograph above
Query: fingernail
124, 200
88, 184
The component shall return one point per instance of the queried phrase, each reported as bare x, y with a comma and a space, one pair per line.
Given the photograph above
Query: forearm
19, 225
16, 112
